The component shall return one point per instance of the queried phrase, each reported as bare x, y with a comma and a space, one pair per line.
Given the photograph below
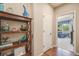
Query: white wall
38, 15
47, 27
18, 8
37, 36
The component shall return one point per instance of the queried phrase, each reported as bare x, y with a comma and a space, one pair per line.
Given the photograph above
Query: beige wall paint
64, 9
38, 25
18, 8
37, 35
48, 14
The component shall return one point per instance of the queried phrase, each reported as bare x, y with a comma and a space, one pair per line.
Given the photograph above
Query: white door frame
74, 28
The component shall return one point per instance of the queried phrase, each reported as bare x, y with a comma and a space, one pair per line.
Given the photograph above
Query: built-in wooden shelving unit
17, 18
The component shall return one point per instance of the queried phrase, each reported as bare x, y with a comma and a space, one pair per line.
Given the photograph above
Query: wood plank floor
58, 52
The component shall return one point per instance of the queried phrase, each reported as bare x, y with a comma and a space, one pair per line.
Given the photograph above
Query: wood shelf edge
14, 46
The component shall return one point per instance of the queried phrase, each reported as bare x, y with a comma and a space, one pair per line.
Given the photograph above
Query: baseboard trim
41, 54
45, 51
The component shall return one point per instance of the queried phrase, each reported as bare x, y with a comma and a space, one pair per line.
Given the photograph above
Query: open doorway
65, 32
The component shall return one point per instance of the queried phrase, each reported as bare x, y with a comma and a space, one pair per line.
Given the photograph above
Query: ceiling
54, 5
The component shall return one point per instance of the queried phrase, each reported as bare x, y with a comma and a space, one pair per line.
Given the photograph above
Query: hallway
58, 52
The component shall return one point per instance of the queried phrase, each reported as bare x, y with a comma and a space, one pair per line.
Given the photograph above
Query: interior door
47, 32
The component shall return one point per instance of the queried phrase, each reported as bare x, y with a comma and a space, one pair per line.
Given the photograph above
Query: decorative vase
23, 38
1, 7
25, 13
24, 28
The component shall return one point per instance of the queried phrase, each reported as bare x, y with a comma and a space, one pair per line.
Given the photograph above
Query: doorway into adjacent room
65, 32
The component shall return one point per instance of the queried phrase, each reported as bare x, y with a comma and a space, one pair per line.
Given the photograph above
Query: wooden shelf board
13, 17
14, 46
11, 32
